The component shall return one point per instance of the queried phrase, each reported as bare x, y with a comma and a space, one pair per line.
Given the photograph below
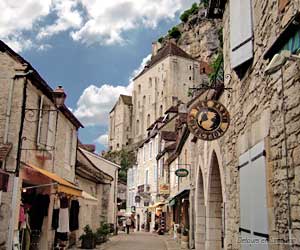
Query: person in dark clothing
128, 225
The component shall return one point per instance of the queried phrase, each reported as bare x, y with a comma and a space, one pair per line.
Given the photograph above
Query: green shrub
186, 14
160, 40
174, 33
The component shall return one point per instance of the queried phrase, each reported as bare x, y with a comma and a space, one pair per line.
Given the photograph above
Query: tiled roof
168, 135
4, 150
170, 49
126, 99
172, 109
160, 119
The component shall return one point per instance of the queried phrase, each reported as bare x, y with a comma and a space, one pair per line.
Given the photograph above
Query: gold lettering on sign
208, 120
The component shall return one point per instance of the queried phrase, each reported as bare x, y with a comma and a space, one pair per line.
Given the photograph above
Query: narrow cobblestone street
135, 241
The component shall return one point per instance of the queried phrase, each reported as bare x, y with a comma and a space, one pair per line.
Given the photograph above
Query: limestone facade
111, 169
265, 113
49, 138
120, 124
163, 83
95, 182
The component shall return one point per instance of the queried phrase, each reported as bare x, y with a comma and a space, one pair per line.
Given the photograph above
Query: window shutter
51, 129
245, 192
73, 147
260, 220
241, 32
40, 120
253, 197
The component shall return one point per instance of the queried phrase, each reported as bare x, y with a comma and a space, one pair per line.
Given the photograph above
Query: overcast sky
91, 47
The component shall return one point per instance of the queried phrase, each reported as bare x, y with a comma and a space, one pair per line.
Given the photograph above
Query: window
241, 32
190, 67
190, 78
46, 125
146, 177
155, 174
253, 194
150, 149
148, 120
150, 83
137, 127
69, 146
161, 110
144, 100
139, 88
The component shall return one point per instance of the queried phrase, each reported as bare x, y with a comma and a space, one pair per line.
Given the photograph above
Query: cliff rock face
200, 36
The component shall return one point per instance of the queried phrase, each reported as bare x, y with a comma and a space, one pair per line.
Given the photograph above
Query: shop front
178, 212
48, 210
158, 217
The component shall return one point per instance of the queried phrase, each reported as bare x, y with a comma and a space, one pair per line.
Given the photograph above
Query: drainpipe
8, 109
18, 162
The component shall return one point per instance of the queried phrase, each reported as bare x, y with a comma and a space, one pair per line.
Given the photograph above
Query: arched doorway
200, 214
214, 211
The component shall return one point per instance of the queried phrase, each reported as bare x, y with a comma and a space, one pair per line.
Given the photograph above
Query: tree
174, 33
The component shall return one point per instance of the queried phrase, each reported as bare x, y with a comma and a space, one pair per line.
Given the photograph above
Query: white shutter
253, 197
51, 129
260, 220
40, 121
245, 191
241, 32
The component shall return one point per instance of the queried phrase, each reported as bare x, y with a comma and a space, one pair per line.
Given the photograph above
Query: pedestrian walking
128, 224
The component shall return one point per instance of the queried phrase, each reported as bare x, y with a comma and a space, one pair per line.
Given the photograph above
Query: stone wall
54, 161
257, 114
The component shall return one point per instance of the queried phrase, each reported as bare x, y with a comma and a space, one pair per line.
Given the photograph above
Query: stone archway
214, 207
200, 213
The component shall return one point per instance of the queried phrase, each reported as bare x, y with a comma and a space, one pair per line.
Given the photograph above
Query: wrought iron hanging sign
208, 120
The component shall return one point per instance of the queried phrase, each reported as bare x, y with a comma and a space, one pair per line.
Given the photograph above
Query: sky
93, 48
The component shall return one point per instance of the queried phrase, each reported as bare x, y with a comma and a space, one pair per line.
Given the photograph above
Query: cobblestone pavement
135, 241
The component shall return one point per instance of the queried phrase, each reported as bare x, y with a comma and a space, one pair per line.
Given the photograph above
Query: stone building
96, 185
245, 185
120, 123
38, 140
111, 169
164, 82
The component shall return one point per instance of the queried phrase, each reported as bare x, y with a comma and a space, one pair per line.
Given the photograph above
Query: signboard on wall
208, 120
182, 172
164, 188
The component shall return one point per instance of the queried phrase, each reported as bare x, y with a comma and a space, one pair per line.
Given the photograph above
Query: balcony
145, 188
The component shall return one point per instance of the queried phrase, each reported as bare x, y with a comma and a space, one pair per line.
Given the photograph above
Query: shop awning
88, 196
62, 185
157, 204
89, 199
179, 195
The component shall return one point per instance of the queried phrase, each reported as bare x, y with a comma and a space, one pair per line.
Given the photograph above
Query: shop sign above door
182, 172
208, 120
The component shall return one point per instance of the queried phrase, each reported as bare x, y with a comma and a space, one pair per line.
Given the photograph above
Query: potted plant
102, 232
87, 238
